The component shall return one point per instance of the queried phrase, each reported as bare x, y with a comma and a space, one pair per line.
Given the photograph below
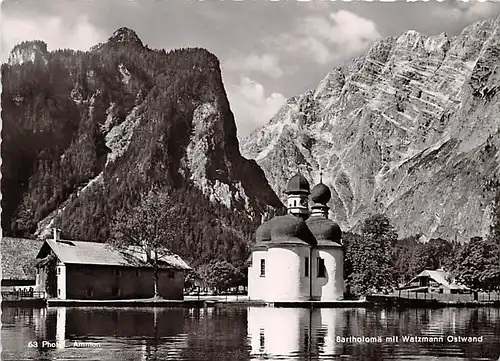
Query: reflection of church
283, 332
298, 256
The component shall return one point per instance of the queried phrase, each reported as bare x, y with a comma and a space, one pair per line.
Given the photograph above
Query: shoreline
243, 301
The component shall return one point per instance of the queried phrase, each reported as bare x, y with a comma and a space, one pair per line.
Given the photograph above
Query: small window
58, 270
321, 268
306, 267
118, 273
58, 291
262, 339
138, 273
171, 274
295, 203
90, 292
262, 268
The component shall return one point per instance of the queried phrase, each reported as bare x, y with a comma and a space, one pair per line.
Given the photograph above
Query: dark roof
326, 231
321, 194
94, 253
19, 257
298, 184
289, 229
263, 232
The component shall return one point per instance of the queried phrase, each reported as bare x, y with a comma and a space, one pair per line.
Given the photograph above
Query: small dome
263, 232
291, 229
324, 229
321, 193
297, 184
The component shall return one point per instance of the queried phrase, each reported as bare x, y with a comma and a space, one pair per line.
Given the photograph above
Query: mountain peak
27, 51
125, 35
405, 129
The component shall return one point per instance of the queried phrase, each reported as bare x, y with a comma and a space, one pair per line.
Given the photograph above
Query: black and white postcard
250, 180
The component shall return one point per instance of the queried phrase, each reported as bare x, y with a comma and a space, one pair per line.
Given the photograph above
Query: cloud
338, 36
250, 105
57, 33
267, 64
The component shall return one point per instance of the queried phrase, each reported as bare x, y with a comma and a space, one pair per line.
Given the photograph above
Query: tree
406, 250
477, 264
372, 257
219, 275
431, 255
152, 226
50, 265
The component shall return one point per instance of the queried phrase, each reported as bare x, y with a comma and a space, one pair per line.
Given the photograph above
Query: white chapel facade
298, 256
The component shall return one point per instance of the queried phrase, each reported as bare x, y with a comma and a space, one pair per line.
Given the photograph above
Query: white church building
298, 256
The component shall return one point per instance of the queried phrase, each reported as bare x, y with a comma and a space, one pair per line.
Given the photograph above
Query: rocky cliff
84, 133
410, 129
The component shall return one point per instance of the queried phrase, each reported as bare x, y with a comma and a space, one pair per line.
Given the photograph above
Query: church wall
333, 288
257, 284
317, 283
286, 280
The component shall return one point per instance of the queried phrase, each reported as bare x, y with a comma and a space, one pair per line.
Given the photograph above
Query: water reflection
278, 332
320, 334
254, 333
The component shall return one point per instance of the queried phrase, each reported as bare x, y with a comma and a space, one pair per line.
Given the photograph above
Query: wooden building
90, 270
434, 281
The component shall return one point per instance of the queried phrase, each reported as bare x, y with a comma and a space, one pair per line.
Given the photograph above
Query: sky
269, 50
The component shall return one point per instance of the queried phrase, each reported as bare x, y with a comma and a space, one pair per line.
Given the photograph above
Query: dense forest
376, 260
59, 110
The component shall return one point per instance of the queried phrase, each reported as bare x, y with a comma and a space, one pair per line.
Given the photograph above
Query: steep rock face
85, 132
410, 129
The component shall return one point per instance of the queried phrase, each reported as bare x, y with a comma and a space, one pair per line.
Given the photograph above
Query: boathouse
298, 256
434, 281
90, 270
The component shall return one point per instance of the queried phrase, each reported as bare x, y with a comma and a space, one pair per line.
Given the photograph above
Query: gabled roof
95, 253
18, 257
440, 276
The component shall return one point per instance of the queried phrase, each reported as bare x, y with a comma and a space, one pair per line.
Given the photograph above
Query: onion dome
263, 232
298, 184
321, 194
289, 229
326, 231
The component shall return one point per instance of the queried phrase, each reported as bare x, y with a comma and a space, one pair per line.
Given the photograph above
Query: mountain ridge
77, 123
388, 132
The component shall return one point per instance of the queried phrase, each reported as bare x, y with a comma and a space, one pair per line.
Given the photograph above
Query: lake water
253, 333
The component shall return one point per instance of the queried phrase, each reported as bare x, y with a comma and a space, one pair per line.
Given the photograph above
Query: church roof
326, 231
263, 232
291, 230
280, 230
297, 184
321, 194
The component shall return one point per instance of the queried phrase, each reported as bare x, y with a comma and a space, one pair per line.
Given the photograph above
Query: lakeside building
90, 270
434, 281
298, 256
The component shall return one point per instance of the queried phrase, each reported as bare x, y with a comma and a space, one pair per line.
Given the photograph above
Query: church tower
320, 195
298, 196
